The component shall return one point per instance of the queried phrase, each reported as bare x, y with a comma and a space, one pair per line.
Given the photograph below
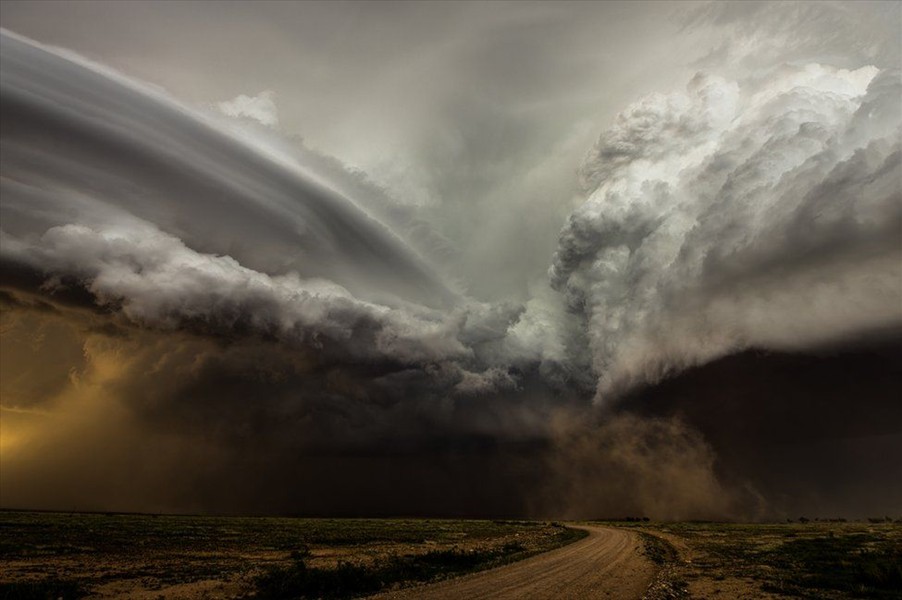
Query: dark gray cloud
211, 312
75, 130
434, 104
813, 433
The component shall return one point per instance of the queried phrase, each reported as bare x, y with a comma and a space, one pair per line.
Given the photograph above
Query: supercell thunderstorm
233, 313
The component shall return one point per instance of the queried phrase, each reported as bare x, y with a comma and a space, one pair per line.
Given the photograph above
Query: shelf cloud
475, 296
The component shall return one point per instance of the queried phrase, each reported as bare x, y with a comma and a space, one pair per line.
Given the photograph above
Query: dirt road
608, 564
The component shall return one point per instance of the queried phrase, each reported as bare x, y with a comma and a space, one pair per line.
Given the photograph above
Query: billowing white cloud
738, 214
758, 212
219, 278
155, 281
261, 108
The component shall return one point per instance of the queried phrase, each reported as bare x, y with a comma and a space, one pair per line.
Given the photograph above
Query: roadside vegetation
349, 580
42, 589
801, 559
71, 555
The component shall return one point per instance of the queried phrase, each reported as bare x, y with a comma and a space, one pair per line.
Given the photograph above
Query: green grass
24, 534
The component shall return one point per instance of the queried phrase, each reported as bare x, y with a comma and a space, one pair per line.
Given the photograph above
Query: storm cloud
517, 290
721, 219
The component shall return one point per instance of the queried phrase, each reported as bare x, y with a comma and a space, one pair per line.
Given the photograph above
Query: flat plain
73, 555
816, 559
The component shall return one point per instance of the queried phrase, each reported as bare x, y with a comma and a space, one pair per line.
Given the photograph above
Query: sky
537, 259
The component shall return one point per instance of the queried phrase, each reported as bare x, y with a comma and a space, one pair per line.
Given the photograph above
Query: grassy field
814, 559
63, 555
